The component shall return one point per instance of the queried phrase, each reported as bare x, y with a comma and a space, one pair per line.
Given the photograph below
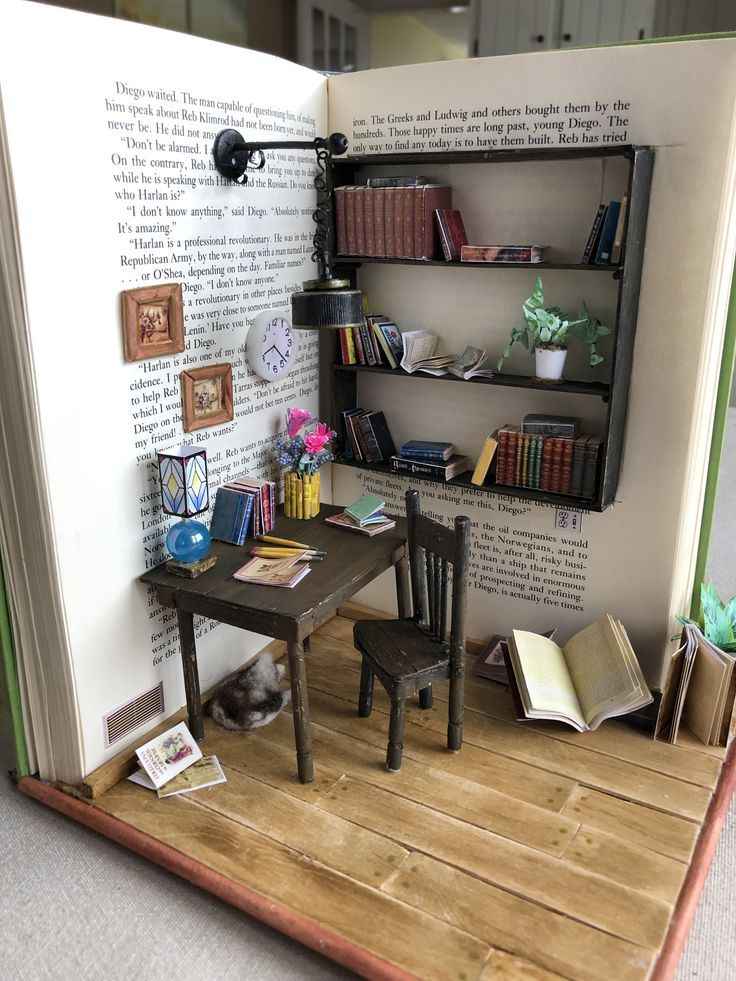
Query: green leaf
595, 359
731, 612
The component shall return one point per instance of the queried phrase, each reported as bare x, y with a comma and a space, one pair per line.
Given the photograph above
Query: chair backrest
433, 548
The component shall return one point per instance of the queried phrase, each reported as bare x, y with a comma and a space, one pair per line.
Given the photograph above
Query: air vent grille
125, 718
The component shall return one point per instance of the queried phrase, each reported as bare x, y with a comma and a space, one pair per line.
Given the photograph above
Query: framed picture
207, 395
153, 321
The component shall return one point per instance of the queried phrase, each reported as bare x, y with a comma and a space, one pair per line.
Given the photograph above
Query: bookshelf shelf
505, 380
355, 261
463, 481
614, 393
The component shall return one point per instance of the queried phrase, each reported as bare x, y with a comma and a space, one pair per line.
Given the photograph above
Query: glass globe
188, 540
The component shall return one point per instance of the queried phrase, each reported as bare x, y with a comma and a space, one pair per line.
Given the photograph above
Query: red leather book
350, 192
398, 200
408, 195
360, 196
501, 451
341, 239
428, 199
452, 232
556, 475
369, 220
379, 222
389, 231
545, 472
568, 446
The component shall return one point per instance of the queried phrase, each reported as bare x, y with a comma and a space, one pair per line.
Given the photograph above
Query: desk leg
403, 594
191, 674
300, 710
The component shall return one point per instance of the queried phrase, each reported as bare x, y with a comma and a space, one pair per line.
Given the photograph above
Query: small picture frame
153, 321
207, 396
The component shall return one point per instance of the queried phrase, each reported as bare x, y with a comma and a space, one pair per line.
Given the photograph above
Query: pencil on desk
282, 541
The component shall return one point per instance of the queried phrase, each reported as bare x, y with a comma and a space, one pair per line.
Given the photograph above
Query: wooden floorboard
534, 853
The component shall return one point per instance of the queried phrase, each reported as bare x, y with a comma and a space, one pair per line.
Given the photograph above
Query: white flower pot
549, 364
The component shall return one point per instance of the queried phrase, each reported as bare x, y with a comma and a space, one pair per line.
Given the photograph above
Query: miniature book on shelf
594, 677
470, 364
166, 755
424, 449
700, 691
502, 253
437, 469
419, 353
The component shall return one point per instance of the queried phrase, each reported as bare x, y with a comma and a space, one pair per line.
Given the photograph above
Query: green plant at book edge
717, 620
549, 327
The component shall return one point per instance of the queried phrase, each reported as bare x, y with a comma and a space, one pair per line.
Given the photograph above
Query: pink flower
315, 441
295, 419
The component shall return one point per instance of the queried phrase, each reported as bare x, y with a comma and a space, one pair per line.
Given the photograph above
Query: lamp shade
328, 304
182, 473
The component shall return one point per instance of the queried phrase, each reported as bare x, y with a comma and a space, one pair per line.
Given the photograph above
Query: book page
705, 694
598, 668
132, 199
525, 562
544, 683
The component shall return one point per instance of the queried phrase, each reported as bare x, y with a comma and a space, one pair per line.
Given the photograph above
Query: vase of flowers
301, 453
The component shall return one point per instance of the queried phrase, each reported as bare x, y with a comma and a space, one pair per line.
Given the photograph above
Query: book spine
340, 218
385, 347
360, 220
402, 465
578, 455
398, 202
347, 446
350, 345
379, 220
429, 455
511, 457
358, 345
603, 255
370, 356
370, 444
443, 229
556, 462
566, 466
344, 354
590, 468
593, 235
524, 475
350, 193
499, 253
420, 222
618, 238
369, 220
389, 230
545, 468
409, 195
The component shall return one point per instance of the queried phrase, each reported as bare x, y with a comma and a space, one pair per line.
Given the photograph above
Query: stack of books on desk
239, 502
364, 516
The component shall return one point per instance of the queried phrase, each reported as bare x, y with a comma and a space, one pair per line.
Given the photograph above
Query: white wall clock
271, 346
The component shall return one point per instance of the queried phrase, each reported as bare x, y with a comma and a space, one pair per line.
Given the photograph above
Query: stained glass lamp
182, 474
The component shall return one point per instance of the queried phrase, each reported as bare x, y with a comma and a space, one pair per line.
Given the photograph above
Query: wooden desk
352, 562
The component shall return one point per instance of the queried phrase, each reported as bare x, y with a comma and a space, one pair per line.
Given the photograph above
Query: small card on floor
204, 773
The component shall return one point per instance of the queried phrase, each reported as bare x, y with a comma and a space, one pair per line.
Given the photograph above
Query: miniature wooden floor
534, 852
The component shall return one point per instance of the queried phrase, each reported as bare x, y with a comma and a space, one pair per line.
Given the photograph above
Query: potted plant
302, 453
545, 335
717, 619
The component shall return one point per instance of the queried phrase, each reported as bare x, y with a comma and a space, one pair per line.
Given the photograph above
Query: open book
594, 677
700, 691
141, 205
419, 353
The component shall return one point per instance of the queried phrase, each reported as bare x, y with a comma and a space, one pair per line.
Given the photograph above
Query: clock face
272, 345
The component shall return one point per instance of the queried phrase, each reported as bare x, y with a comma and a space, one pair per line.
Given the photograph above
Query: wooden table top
352, 561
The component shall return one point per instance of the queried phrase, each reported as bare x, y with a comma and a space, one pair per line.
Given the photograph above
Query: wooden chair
409, 655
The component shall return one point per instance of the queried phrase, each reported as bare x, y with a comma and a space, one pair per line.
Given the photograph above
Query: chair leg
425, 697
456, 709
365, 701
395, 735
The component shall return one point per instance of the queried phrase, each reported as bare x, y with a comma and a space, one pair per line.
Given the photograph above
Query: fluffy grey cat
252, 698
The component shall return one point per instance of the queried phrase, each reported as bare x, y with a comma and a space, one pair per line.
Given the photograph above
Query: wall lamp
324, 303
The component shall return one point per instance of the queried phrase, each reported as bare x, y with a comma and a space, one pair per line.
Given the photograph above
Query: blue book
608, 233
231, 516
366, 510
421, 449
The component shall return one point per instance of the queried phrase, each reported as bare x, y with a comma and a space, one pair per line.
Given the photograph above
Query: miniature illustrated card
204, 773
168, 754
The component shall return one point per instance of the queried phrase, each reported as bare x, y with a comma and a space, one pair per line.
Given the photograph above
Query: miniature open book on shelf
419, 353
594, 677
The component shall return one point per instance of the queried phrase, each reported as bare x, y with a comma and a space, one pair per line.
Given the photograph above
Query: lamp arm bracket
234, 157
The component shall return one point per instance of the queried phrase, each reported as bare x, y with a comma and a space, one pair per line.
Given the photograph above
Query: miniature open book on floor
594, 677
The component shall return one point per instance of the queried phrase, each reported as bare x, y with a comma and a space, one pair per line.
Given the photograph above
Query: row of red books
390, 222
548, 463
